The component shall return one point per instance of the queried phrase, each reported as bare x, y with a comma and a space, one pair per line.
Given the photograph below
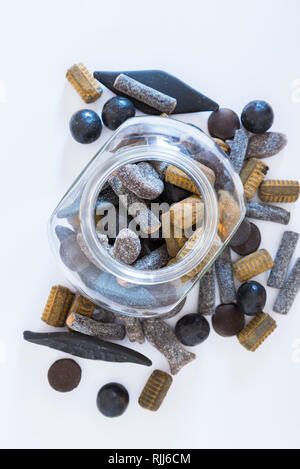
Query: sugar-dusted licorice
127, 246
266, 212
257, 331
279, 190
87, 347
133, 328
238, 149
224, 274
265, 145
162, 337
82, 80
252, 265
137, 208
145, 94
155, 390
87, 326
57, 306
153, 261
141, 179
287, 294
283, 258
207, 293
252, 175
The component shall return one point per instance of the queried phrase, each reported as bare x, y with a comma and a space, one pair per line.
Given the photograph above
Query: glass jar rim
91, 191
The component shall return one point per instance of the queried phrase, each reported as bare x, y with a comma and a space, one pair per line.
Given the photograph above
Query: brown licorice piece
266, 144
252, 175
133, 329
84, 83
87, 326
174, 237
229, 214
187, 212
145, 94
82, 305
252, 265
207, 292
256, 332
289, 290
57, 306
282, 260
279, 190
136, 207
179, 178
162, 337
224, 273
155, 390
223, 145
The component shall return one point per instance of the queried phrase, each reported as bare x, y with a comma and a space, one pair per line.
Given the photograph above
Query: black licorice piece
282, 260
64, 375
86, 347
289, 290
87, 326
188, 99
241, 235
112, 400
228, 320
251, 244
192, 329
267, 212
238, 149
141, 179
223, 123
207, 292
224, 274
266, 145
146, 94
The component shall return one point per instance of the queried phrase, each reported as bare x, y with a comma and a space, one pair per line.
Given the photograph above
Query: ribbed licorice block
84, 83
279, 190
82, 305
252, 175
179, 178
155, 390
252, 265
256, 332
57, 306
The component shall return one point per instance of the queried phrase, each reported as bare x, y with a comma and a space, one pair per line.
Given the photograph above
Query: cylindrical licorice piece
289, 290
256, 332
133, 329
141, 179
127, 246
267, 212
207, 292
155, 260
57, 306
187, 213
279, 190
225, 277
282, 260
84, 83
179, 178
87, 326
145, 94
252, 175
137, 208
162, 337
238, 149
155, 390
252, 265
229, 214
174, 237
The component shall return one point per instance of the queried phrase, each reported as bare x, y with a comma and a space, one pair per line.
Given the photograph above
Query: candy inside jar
147, 217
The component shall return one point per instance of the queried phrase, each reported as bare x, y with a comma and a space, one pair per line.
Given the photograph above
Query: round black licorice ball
64, 375
242, 234
223, 123
192, 329
228, 320
250, 245
251, 298
85, 126
112, 400
116, 111
257, 116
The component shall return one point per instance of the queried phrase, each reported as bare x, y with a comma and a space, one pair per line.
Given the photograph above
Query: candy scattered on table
87, 326
252, 265
251, 244
257, 117
251, 298
112, 400
252, 175
83, 82
238, 149
266, 145
228, 320
207, 291
257, 331
155, 390
223, 266
290, 288
134, 329
192, 329
116, 111
85, 126
64, 375
57, 306
223, 123
283, 258
267, 212
241, 235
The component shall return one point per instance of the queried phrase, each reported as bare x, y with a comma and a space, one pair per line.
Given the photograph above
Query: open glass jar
88, 263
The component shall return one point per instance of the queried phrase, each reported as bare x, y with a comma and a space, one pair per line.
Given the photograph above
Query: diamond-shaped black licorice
188, 99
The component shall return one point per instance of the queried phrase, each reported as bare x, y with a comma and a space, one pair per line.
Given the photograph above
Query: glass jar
122, 288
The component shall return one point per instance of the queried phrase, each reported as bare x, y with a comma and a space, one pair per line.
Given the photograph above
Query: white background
232, 51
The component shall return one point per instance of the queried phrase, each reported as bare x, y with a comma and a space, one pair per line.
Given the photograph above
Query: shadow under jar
86, 258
